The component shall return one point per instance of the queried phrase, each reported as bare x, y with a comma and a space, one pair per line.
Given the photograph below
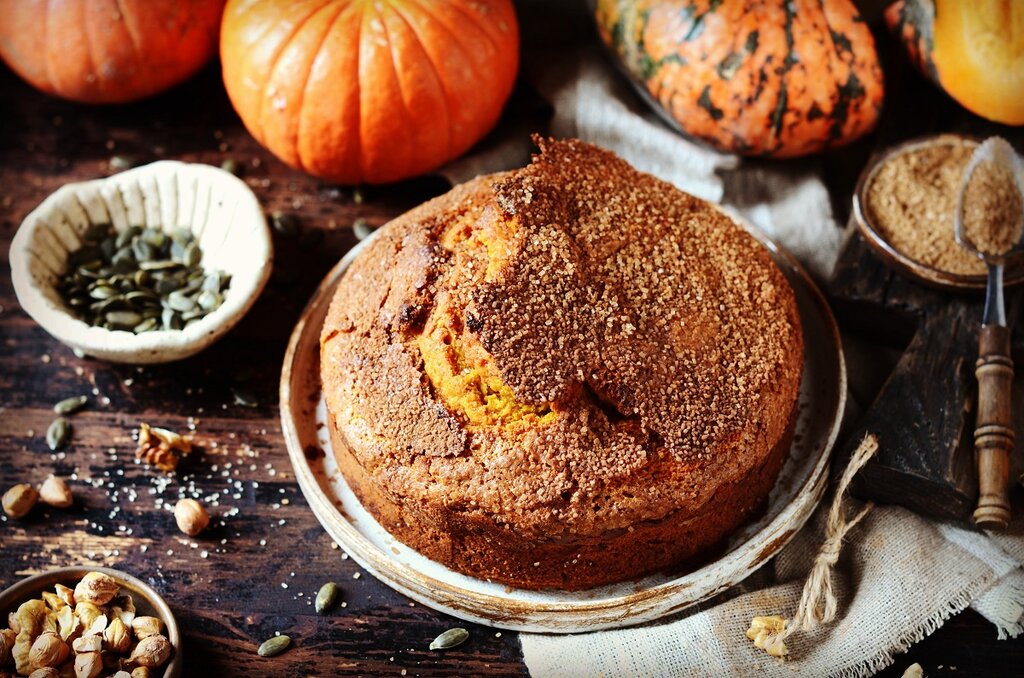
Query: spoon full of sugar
989, 222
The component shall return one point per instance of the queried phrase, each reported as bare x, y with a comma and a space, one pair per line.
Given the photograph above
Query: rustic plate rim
369, 556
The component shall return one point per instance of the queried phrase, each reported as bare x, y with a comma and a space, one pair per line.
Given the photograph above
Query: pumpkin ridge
438, 80
309, 72
86, 21
132, 40
466, 57
272, 66
471, 18
46, 41
404, 110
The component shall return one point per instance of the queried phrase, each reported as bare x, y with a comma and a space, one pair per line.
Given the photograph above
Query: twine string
818, 604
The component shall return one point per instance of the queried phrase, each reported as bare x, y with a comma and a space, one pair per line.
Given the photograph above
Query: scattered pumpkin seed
58, 434
244, 398
362, 229
274, 646
285, 224
357, 196
327, 597
230, 165
121, 162
449, 639
71, 405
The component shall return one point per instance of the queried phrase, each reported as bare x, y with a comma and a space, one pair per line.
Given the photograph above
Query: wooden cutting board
924, 414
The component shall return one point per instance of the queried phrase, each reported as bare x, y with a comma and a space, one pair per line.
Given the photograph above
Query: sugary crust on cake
572, 356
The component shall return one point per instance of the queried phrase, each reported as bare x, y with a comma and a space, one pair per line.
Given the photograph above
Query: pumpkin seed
123, 318
361, 228
244, 398
102, 292
190, 257
124, 238
285, 224
357, 196
171, 320
179, 302
229, 165
121, 162
71, 405
58, 433
327, 597
274, 646
125, 280
147, 325
449, 639
209, 300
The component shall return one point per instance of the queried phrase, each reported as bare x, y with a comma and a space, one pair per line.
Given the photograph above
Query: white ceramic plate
800, 487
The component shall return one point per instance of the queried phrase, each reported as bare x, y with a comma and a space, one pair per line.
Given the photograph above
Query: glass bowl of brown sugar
903, 206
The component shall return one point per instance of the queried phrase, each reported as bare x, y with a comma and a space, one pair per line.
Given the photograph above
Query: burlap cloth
899, 576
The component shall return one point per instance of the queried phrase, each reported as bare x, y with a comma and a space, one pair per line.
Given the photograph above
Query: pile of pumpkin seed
140, 280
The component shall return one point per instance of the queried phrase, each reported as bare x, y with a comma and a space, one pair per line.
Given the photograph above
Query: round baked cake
563, 376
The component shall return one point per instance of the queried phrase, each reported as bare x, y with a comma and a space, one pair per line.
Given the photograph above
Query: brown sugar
910, 203
992, 209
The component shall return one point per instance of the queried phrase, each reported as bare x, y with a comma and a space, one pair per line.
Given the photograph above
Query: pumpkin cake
562, 376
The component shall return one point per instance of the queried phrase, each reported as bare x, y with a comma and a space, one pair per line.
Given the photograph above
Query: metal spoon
993, 431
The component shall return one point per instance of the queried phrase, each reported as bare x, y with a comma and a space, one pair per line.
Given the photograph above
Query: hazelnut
92, 643
96, 588
88, 665
53, 601
140, 672
117, 637
7, 637
65, 594
144, 627
45, 672
31, 618
19, 500
13, 623
191, 517
48, 650
92, 618
67, 622
151, 652
55, 492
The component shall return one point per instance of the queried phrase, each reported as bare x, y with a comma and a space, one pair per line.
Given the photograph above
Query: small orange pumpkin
777, 78
972, 49
357, 91
107, 51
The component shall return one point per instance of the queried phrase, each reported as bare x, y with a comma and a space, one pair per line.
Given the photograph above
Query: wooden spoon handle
993, 431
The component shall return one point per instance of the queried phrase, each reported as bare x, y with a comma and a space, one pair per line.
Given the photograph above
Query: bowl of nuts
146, 266
87, 622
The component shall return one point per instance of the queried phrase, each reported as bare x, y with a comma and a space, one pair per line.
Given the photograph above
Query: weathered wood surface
231, 600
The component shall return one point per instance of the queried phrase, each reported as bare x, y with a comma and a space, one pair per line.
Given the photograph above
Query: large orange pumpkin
369, 91
777, 78
107, 51
973, 49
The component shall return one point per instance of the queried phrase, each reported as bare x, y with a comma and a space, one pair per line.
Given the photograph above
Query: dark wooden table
256, 571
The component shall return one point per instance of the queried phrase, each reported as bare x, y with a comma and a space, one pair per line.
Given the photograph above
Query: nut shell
96, 588
19, 500
88, 665
152, 651
144, 627
117, 637
55, 492
191, 517
48, 650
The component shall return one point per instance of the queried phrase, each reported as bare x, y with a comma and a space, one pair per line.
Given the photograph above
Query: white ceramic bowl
215, 205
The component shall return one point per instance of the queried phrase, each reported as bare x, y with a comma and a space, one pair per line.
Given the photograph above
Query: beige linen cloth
899, 577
